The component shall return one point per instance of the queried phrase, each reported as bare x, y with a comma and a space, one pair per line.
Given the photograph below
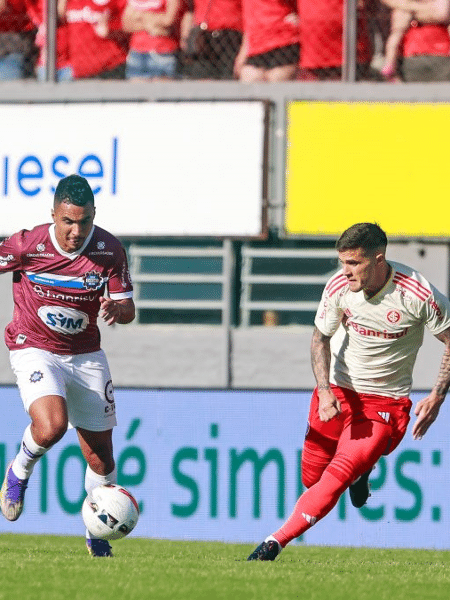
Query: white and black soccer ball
111, 512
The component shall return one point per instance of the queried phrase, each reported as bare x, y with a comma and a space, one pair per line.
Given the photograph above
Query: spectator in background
36, 11
425, 43
270, 48
90, 42
97, 45
17, 34
155, 39
400, 22
211, 38
321, 40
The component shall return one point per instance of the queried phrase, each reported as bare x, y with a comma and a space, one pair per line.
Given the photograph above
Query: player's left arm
427, 409
117, 311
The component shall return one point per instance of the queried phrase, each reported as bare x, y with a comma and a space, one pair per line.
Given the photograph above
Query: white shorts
84, 380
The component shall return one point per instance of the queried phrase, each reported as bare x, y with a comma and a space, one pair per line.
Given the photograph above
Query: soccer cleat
265, 551
12, 495
360, 489
99, 548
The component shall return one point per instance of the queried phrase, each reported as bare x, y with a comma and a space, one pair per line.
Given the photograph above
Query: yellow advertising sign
380, 162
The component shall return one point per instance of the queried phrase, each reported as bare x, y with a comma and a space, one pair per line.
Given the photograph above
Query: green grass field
51, 568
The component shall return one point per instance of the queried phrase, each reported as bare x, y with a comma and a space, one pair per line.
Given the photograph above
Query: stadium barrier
221, 465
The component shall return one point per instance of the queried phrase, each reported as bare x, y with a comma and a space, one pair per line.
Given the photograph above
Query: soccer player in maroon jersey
368, 329
65, 274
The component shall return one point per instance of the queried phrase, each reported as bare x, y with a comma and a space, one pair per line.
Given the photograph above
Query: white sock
91, 481
270, 538
28, 455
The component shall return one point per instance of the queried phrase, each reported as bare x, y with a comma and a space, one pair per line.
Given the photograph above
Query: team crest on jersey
36, 376
92, 280
393, 316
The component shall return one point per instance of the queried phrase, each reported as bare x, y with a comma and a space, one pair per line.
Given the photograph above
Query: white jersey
375, 341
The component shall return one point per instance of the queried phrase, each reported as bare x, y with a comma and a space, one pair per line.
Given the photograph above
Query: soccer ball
111, 512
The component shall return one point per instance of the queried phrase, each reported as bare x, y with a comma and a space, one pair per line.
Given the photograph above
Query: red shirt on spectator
219, 14
15, 18
90, 52
269, 24
141, 41
430, 39
321, 32
36, 9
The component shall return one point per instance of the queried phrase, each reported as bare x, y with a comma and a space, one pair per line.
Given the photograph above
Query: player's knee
48, 431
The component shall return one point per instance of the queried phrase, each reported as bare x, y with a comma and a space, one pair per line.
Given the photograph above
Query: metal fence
246, 40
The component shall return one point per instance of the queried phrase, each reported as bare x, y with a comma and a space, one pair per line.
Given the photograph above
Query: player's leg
359, 448
319, 448
91, 410
42, 388
320, 443
97, 449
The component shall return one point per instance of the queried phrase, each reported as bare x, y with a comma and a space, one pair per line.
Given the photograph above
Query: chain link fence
246, 40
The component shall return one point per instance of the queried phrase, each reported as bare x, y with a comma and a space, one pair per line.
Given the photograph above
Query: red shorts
357, 408
368, 427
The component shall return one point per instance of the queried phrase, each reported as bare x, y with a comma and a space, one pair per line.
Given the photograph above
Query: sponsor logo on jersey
40, 247
67, 281
109, 391
36, 376
436, 308
64, 320
393, 316
387, 335
309, 518
385, 416
100, 245
92, 280
4, 260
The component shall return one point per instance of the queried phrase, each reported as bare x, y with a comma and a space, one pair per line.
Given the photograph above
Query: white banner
223, 465
172, 168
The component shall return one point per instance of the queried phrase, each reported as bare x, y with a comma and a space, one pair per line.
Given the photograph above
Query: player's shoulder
410, 281
30, 238
102, 236
337, 283
103, 243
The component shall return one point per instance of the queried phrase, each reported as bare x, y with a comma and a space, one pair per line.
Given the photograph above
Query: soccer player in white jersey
61, 273
368, 329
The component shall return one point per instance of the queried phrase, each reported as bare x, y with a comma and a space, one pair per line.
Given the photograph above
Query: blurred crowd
246, 40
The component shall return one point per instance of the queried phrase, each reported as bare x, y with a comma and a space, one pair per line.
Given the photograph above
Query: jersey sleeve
330, 313
437, 311
11, 252
120, 285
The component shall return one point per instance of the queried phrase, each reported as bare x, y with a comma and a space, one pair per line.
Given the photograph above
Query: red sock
312, 506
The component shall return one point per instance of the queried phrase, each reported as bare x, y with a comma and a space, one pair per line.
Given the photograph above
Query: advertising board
224, 465
157, 169
350, 162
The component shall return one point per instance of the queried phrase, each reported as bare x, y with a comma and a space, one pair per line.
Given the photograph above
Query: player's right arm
329, 405
328, 318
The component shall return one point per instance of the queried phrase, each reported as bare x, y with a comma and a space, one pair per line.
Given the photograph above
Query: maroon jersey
56, 294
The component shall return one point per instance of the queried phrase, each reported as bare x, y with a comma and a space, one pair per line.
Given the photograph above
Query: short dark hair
368, 236
74, 189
